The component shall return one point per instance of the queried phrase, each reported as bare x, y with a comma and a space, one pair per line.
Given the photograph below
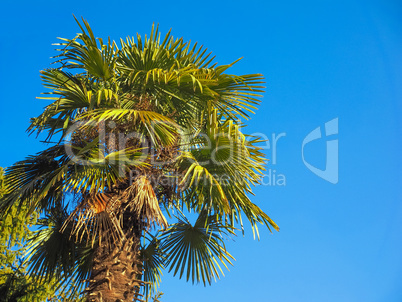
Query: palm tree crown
138, 134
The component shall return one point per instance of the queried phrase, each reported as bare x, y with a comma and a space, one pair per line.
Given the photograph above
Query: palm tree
149, 129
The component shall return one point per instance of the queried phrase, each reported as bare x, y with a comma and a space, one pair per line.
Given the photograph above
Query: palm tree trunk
116, 273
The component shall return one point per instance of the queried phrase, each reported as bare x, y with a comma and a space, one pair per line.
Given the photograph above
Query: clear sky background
322, 60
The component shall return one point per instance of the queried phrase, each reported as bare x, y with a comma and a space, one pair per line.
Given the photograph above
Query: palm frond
141, 199
196, 250
153, 263
94, 221
86, 52
161, 129
54, 256
36, 181
236, 163
201, 186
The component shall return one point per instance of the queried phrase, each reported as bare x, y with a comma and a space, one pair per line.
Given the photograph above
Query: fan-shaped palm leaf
153, 263
53, 255
197, 249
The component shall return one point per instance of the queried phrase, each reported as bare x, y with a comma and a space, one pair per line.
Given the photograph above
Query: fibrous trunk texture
116, 272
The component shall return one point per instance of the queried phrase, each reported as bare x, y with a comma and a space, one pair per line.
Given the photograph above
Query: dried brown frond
93, 220
141, 199
143, 102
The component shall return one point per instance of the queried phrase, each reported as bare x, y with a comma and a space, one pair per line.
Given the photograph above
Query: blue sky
322, 60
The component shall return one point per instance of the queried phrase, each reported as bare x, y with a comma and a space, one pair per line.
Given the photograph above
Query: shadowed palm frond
36, 181
196, 250
52, 254
153, 263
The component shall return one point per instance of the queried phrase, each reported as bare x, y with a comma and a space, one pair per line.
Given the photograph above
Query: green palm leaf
196, 250
53, 255
162, 130
91, 54
34, 181
153, 263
